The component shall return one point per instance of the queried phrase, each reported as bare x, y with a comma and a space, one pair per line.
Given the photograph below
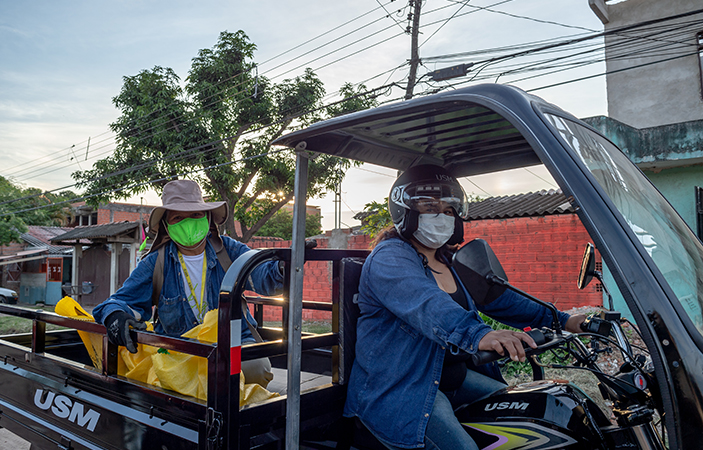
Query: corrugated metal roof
540, 203
93, 232
41, 237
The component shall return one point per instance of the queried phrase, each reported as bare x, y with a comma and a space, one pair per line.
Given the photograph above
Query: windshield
675, 250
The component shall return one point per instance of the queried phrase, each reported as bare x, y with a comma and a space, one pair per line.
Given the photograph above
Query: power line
32, 171
188, 150
224, 80
391, 16
447, 21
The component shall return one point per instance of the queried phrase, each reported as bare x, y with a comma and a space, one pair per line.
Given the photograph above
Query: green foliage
21, 207
281, 225
165, 130
375, 217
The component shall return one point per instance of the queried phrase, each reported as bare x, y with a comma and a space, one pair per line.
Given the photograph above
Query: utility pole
414, 52
338, 206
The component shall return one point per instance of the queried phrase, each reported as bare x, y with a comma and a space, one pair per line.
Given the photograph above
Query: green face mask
189, 232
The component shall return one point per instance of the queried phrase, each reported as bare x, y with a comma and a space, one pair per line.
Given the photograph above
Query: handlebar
543, 338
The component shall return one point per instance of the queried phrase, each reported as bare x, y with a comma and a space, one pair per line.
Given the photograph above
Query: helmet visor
433, 197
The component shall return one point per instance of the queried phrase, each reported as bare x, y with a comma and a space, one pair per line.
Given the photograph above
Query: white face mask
434, 230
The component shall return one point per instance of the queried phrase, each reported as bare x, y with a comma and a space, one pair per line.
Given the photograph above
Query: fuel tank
546, 414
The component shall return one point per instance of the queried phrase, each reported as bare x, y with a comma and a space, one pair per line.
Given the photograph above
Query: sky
62, 62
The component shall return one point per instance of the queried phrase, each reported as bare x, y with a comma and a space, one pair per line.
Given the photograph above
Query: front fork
638, 420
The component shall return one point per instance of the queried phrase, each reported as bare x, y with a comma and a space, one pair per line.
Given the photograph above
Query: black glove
117, 324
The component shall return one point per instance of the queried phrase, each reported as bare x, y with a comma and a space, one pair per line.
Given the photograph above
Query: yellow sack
180, 372
68, 307
253, 393
184, 373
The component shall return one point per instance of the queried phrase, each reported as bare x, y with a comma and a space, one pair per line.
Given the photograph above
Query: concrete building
654, 63
653, 60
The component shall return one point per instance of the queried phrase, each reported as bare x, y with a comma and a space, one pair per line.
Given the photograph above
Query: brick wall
317, 284
540, 255
108, 216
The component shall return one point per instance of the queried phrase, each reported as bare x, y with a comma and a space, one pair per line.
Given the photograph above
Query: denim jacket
405, 325
175, 314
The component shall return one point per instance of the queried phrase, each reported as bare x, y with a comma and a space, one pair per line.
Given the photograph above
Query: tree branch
232, 142
281, 129
249, 233
245, 183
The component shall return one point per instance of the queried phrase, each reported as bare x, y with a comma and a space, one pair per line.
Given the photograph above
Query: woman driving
419, 325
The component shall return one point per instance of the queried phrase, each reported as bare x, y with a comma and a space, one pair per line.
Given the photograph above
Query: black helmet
420, 183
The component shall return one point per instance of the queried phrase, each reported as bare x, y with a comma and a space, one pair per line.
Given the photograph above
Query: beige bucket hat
183, 195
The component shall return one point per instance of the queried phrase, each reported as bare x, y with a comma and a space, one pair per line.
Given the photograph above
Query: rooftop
40, 237
96, 232
542, 203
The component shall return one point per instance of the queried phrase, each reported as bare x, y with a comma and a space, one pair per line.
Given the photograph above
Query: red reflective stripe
235, 360
235, 346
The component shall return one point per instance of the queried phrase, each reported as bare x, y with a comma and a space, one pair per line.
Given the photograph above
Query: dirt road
9, 441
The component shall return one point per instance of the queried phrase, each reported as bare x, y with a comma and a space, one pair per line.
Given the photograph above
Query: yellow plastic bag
185, 374
68, 307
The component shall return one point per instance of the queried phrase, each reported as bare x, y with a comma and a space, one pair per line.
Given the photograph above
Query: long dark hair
444, 254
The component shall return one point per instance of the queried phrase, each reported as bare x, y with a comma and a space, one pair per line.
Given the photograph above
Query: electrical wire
384, 41
189, 172
239, 74
389, 15
447, 21
180, 154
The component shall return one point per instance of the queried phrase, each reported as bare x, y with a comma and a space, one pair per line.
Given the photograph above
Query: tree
20, 207
222, 121
374, 218
281, 225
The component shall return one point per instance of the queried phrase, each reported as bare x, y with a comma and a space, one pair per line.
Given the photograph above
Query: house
36, 268
654, 77
100, 263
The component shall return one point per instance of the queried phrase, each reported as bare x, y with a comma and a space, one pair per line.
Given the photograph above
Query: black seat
354, 433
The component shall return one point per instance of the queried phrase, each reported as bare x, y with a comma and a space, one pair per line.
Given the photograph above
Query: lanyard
193, 300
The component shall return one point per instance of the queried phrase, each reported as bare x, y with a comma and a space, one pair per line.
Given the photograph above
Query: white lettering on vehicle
64, 408
442, 177
507, 405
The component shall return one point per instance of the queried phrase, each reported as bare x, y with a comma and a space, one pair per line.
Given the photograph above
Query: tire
3, 299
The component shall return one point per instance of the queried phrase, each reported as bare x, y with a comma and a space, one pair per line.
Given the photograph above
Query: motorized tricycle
555, 413
53, 395
653, 257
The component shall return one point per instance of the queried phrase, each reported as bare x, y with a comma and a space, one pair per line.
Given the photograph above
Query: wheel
3, 299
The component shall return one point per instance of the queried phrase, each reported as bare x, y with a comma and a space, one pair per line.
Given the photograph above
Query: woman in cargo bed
191, 253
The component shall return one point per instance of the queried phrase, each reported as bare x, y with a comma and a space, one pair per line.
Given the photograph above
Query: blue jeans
444, 432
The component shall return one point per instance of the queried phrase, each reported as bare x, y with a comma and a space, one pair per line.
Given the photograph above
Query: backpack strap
157, 279
224, 260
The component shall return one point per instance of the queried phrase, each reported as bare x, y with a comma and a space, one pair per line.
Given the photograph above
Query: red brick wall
317, 284
540, 255
119, 216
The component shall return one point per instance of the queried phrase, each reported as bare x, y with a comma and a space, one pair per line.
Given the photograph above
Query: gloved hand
117, 324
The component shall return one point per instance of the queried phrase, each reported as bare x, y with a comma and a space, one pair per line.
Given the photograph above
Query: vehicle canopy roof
465, 130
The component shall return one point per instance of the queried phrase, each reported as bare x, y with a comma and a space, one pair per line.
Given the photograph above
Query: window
54, 269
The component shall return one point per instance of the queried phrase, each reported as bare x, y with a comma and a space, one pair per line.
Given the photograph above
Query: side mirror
480, 271
588, 266
476, 264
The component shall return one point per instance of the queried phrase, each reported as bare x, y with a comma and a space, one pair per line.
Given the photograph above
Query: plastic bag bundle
180, 372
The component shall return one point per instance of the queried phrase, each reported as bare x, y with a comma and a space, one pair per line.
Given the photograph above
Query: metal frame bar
295, 303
